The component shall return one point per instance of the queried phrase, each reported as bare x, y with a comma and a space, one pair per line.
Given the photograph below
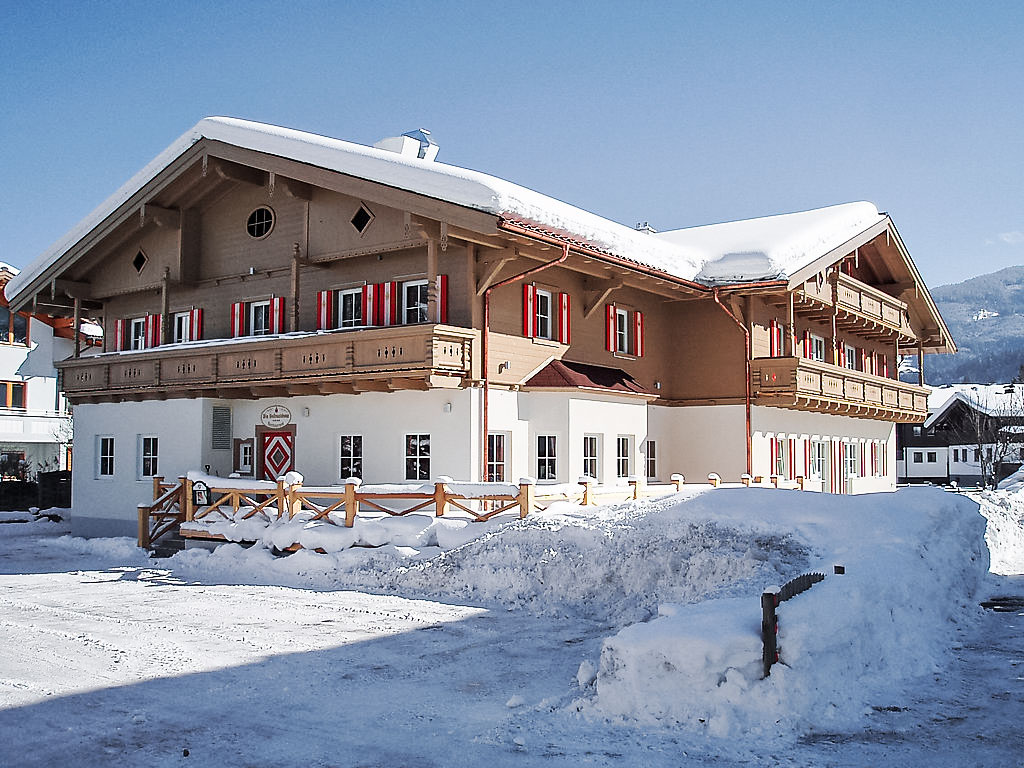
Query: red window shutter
152, 331
564, 319
529, 311
862, 472
369, 304
792, 458
772, 455
638, 333
238, 319
609, 327
807, 344
864, 360
379, 316
325, 310
390, 305
277, 314
119, 334
195, 324
842, 354
885, 366
442, 298
807, 457
773, 348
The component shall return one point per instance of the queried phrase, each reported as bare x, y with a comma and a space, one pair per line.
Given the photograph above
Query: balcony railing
857, 303
401, 357
796, 382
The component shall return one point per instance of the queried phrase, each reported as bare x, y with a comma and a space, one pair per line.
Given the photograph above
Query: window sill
624, 356
546, 342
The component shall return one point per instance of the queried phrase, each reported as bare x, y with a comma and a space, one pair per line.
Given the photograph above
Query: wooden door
276, 453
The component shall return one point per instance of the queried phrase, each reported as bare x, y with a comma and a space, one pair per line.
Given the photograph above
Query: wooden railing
862, 299
776, 378
280, 360
163, 514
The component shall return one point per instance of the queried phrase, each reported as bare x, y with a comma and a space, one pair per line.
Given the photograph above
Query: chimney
416, 143
645, 227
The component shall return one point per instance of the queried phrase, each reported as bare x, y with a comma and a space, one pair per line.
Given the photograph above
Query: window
779, 453
182, 323
850, 357
850, 454
623, 454
496, 470
13, 327
148, 455
138, 333
350, 308
260, 222
546, 457
414, 302
622, 331
350, 452
244, 452
977, 454
139, 262
362, 219
591, 460
818, 348
819, 459
931, 457
918, 457
543, 306
105, 455
417, 457
259, 318
12, 394
650, 460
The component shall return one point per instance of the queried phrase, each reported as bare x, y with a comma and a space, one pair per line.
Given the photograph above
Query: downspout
485, 362
747, 353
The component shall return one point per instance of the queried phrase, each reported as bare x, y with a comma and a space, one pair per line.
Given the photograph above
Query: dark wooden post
769, 630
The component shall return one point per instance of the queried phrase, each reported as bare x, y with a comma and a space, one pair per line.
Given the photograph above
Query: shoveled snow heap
697, 563
1004, 510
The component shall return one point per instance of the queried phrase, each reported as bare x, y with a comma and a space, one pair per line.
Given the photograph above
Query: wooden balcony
857, 306
351, 361
795, 382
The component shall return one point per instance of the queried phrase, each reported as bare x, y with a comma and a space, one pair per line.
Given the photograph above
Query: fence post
677, 481
588, 490
526, 493
181, 494
800, 482
294, 499
715, 479
144, 526
769, 630
775, 480
157, 481
351, 501
440, 499
637, 485
190, 510
282, 501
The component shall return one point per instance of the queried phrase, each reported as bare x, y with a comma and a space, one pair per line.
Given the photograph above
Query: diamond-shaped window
362, 219
139, 261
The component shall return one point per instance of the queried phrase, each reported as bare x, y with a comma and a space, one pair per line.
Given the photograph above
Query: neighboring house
972, 430
35, 425
275, 299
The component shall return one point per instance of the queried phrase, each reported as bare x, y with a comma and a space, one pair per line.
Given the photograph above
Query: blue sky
674, 113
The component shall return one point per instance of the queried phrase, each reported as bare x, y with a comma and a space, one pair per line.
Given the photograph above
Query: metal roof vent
645, 227
416, 143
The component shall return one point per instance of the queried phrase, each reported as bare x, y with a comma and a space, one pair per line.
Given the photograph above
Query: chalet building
275, 299
971, 430
35, 426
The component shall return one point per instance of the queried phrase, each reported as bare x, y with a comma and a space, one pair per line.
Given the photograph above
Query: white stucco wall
698, 440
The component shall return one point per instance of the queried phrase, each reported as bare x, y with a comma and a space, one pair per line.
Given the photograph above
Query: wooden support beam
593, 299
297, 189
490, 268
370, 385
303, 389
235, 172
71, 288
401, 383
161, 217
337, 388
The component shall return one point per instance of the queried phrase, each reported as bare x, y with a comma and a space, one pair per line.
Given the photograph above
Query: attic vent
139, 262
221, 418
362, 219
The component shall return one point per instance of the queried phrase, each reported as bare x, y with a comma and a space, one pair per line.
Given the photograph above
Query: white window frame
544, 314
851, 461
547, 457
416, 454
417, 309
182, 327
650, 459
819, 459
498, 444
246, 457
137, 333
622, 345
623, 456
592, 457
104, 457
251, 310
817, 348
352, 459
149, 456
781, 457
850, 353
356, 318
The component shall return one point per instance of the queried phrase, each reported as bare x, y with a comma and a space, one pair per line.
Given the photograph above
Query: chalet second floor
237, 271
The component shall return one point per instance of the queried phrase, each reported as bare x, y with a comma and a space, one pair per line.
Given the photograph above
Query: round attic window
260, 223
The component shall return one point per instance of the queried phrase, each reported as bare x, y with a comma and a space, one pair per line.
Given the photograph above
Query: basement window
139, 262
260, 222
362, 219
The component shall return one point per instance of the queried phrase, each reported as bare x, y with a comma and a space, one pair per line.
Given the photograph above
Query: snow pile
1004, 510
914, 560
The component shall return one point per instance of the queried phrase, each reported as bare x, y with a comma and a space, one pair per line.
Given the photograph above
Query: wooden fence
173, 503
770, 600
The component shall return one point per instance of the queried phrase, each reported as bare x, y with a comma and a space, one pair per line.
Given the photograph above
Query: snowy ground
539, 643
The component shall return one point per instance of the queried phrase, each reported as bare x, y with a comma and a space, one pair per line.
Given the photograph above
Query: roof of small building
757, 249
990, 399
565, 373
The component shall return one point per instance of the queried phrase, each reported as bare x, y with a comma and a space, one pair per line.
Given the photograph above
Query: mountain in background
986, 317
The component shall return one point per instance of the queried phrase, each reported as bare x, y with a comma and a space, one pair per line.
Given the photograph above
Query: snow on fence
770, 600
264, 502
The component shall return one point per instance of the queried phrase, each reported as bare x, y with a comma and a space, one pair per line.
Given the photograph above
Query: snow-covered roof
990, 399
757, 249
772, 246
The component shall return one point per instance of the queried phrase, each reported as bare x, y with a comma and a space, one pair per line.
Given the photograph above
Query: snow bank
915, 561
1004, 511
